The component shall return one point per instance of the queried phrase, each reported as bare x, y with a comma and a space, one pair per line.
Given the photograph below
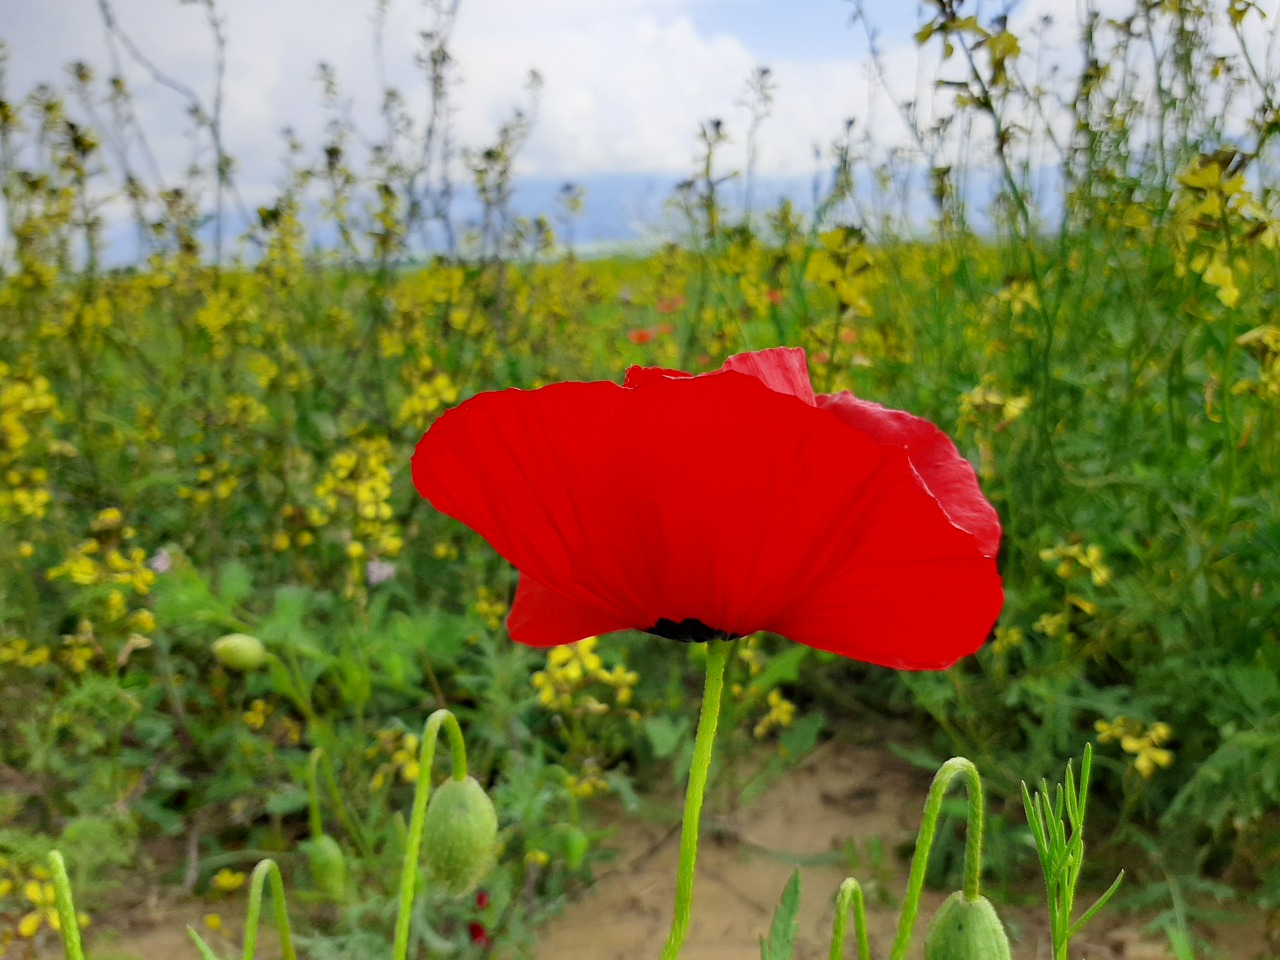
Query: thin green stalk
924, 843
320, 763
68, 921
717, 658
421, 793
315, 821
850, 900
256, 883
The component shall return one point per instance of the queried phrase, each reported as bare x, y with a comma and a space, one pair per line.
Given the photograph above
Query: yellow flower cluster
227, 880
589, 782
782, 712
489, 607
1214, 218
102, 559
1144, 743
400, 747
1073, 559
27, 407
1020, 296
1264, 343
984, 402
223, 320
255, 718
19, 652
355, 492
427, 396
40, 898
570, 671
1007, 638
213, 482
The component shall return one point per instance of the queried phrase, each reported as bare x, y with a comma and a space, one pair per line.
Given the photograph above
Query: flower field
226, 612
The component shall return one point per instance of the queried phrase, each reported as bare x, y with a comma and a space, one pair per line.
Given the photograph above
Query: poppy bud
966, 930
328, 867
240, 652
460, 834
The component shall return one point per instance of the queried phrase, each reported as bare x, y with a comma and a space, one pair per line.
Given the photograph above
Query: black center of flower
688, 630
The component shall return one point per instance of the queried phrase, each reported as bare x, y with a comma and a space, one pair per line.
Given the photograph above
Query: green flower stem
256, 883
717, 658
421, 793
849, 900
924, 843
317, 764
68, 921
313, 794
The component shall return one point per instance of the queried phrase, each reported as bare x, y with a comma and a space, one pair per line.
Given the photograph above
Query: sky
626, 82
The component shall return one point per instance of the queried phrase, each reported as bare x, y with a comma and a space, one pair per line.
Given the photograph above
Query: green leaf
801, 737
665, 734
205, 952
784, 668
235, 583
290, 799
782, 933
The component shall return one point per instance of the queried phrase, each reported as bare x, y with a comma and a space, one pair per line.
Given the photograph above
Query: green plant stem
717, 658
924, 843
256, 883
850, 900
68, 922
421, 793
315, 821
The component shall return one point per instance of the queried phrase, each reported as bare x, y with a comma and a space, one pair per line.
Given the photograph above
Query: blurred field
206, 444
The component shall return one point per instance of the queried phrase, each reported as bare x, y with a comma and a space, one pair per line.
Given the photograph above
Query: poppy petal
639, 376
949, 478
781, 369
712, 499
923, 602
543, 617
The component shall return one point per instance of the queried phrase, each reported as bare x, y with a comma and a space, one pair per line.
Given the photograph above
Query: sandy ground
839, 794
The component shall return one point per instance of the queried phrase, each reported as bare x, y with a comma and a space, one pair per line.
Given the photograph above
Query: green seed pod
460, 835
240, 652
966, 930
328, 867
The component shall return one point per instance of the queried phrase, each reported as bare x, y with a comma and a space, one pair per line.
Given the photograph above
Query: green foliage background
214, 442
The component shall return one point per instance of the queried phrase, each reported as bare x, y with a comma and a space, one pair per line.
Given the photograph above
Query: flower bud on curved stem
417, 820
924, 843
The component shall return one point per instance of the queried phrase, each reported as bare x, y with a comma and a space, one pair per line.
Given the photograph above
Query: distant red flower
774, 297
665, 327
697, 507
482, 899
479, 934
670, 304
640, 335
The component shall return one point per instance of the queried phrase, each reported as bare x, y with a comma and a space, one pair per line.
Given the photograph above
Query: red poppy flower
640, 335
479, 934
697, 507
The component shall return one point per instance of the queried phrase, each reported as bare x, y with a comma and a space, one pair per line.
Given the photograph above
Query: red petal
948, 477
781, 369
543, 617
712, 498
639, 376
